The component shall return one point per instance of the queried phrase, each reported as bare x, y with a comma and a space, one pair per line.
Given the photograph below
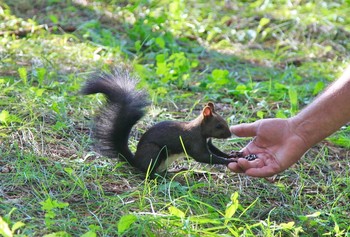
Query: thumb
244, 129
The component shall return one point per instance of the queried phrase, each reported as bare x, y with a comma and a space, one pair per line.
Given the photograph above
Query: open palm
275, 143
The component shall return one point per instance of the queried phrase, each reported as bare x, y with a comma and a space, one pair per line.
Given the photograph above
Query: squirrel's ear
211, 105
207, 112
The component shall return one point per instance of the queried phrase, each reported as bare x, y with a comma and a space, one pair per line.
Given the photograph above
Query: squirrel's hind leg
149, 158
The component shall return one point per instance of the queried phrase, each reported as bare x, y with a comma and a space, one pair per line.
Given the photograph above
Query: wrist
305, 130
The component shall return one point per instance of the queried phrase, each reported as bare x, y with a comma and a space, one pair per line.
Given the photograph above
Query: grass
255, 59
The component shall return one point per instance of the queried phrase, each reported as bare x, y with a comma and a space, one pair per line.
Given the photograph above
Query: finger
244, 129
257, 168
233, 166
261, 172
245, 165
242, 165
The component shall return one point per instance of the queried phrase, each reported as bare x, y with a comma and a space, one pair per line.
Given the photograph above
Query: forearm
326, 114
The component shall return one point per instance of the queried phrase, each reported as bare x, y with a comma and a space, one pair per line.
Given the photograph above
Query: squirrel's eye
219, 126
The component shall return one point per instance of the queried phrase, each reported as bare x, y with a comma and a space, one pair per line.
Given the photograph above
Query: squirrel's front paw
235, 154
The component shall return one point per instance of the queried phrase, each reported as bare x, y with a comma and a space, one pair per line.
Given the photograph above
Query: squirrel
165, 141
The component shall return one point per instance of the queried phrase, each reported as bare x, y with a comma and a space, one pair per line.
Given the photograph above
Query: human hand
275, 143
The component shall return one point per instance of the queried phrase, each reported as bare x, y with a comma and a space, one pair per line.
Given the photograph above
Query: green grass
254, 59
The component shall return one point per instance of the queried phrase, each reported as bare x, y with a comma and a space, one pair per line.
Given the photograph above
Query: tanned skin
279, 143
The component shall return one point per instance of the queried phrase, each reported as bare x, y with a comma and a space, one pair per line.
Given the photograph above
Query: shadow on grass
115, 32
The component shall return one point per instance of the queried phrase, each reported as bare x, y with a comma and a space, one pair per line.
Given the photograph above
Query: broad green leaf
58, 234
260, 114
23, 74
50, 204
280, 114
176, 212
220, 77
61, 204
53, 18
89, 234
5, 229
41, 72
293, 98
318, 87
47, 204
137, 45
38, 91
315, 214
288, 225
264, 21
160, 42
160, 58
231, 207
219, 74
68, 170
161, 90
241, 88
279, 86
17, 225
125, 222
4, 115
161, 69
54, 107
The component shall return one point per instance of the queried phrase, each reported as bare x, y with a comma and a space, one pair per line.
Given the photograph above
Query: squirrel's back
125, 106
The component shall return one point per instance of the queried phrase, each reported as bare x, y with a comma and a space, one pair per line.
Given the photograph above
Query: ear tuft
211, 105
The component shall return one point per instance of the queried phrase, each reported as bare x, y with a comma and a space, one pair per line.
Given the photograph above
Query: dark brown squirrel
163, 142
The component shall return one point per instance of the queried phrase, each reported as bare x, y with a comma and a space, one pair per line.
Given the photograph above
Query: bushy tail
125, 106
